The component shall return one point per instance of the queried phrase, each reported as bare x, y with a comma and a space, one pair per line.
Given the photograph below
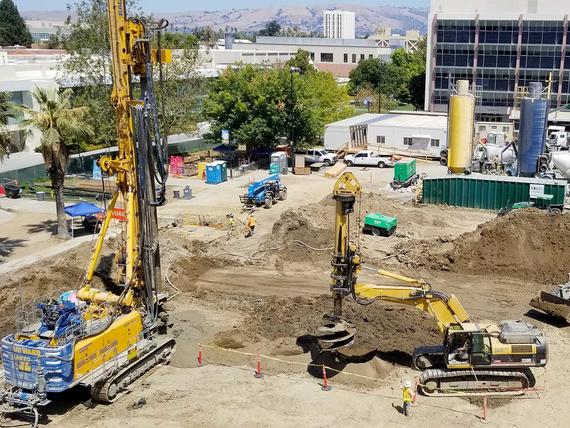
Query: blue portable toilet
216, 172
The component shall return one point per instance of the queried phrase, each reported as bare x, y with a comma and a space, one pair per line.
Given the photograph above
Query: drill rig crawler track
475, 358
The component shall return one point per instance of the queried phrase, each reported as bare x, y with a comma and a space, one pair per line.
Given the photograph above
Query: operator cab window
481, 349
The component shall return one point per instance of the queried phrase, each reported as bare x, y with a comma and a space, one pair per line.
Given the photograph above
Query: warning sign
536, 190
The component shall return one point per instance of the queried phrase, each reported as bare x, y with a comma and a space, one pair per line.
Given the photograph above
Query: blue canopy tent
81, 209
224, 149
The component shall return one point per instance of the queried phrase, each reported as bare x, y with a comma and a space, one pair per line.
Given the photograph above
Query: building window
326, 57
345, 59
407, 141
354, 58
482, 128
434, 143
370, 56
361, 57
380, 139
312, 56
506, 129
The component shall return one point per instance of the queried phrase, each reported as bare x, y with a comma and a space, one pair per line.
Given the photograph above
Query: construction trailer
408, 133
348, 133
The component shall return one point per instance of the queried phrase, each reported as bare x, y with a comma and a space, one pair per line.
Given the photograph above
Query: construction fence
82, 164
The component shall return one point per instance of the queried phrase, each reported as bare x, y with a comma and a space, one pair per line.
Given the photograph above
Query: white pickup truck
320, 155
368, 158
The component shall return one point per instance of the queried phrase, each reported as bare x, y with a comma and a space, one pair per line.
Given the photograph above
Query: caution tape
506, 392
267, 357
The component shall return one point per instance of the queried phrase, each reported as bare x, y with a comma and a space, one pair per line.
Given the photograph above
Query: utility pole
292, 71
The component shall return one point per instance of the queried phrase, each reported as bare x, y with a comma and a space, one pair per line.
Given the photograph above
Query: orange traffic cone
325, 386
258, 373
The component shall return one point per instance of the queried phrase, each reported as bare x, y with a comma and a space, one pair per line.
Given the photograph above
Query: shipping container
490, 193
404, 169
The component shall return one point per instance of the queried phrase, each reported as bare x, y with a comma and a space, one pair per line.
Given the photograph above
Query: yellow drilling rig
107, 339
475, 358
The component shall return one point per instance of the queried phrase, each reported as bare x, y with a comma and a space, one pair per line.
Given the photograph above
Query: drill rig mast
102, 339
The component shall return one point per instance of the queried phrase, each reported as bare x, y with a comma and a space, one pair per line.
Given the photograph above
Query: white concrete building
413, 133
339, 24
338, 56
21, 70
42, 30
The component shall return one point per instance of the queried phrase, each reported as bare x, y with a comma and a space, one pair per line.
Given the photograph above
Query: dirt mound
311, 224
392, 330
314, 225
526, 244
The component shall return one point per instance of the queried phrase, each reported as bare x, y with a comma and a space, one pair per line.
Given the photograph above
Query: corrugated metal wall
491, 193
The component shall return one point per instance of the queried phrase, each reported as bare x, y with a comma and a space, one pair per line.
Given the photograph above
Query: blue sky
181, 5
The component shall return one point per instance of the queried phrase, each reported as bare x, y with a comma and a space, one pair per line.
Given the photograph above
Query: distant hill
306, 18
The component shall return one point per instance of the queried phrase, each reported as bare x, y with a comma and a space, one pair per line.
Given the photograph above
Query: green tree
250, 103
382, 77
7, 111
256, 105
400, 79
417, 90
366, 74
319, 100
60, 124
302, 60
13, 30
272, 28
89, 61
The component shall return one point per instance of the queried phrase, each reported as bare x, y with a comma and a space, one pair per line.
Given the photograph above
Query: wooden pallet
335, 170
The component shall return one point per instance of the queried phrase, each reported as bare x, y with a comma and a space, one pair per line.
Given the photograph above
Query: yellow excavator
106, 339
475, 358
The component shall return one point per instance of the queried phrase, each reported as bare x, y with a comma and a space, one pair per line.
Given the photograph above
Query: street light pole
292, 71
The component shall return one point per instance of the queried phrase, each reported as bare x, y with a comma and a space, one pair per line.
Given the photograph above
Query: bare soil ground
267, 295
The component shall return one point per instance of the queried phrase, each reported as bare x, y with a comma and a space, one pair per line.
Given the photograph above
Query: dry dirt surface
267, 295
524, 244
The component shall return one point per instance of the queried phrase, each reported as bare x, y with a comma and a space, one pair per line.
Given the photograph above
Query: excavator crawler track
108, 390
441, 382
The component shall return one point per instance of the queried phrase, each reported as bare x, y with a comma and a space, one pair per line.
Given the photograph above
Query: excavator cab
468, 349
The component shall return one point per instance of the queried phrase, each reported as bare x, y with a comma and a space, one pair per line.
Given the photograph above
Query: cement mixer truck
559, 165
494, 159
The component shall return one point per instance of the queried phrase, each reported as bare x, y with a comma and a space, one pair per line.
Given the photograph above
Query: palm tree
7, 111
59, 124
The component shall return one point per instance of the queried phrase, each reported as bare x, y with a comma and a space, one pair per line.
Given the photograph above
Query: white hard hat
408, 384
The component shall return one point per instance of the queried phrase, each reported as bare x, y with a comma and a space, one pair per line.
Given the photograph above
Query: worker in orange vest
250, 226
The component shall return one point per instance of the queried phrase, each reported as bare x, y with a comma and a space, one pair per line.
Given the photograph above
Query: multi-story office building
339, 24
41, 31
336, 56
499, 46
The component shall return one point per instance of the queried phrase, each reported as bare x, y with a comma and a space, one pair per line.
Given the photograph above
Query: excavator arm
347, 264
446, 309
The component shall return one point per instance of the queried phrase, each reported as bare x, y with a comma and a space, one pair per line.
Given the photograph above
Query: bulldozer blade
552, 305
336, 335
